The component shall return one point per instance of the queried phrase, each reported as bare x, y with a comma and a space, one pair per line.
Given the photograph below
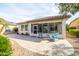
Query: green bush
5, 46
74, 32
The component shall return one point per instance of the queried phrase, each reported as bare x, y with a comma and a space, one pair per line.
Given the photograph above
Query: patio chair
55, 36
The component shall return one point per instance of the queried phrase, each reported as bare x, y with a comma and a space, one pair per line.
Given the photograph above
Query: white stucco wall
64, 28
11, 27
29, 28
21, 31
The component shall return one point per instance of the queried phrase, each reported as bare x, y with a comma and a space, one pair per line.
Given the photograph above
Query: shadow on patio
26, 37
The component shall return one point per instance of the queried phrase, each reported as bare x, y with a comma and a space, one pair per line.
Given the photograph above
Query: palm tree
4, 25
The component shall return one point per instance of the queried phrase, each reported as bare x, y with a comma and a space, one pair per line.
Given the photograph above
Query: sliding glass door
46, 28
40, 26
35, 29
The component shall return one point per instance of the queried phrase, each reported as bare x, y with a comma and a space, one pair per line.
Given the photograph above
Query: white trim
42, 22
36, 30
64, 29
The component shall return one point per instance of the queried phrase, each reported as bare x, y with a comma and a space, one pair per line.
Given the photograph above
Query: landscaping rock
61, 48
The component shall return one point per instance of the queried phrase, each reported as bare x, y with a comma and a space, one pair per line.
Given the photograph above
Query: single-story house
74, 23
44, 26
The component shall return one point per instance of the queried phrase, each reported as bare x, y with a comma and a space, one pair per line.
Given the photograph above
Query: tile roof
47, 19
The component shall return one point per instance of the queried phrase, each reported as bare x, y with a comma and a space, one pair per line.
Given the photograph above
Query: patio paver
37, 45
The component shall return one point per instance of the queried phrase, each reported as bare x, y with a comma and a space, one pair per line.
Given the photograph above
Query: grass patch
5, 46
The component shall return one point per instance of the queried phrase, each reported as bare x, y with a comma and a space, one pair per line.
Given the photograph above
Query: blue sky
20, 12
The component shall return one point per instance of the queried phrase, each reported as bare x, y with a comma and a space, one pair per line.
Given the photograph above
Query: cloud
22, 12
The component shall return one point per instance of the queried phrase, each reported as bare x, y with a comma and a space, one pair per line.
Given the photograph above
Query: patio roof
46, 19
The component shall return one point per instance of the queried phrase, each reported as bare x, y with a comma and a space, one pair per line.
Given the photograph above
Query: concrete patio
41, 45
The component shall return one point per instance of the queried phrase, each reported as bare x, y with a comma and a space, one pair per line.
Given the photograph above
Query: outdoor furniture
40, 35
55, 36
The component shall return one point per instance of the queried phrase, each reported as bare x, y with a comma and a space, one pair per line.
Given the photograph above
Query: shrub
5, 46
67, 27
74, 32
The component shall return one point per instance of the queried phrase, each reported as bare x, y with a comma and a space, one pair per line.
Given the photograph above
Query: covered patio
46, 29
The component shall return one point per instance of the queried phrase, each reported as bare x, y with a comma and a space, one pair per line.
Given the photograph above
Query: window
26, 26
35, 29
45, 28
56, 27
51, 27
40, 28
22, 27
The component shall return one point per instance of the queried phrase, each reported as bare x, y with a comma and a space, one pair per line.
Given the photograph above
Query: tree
4, 23
68, 7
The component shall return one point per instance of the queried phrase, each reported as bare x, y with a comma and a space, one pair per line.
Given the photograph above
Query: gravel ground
75, 43
20, 51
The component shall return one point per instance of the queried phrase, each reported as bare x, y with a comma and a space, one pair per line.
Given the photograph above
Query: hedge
5, 46
74, 32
